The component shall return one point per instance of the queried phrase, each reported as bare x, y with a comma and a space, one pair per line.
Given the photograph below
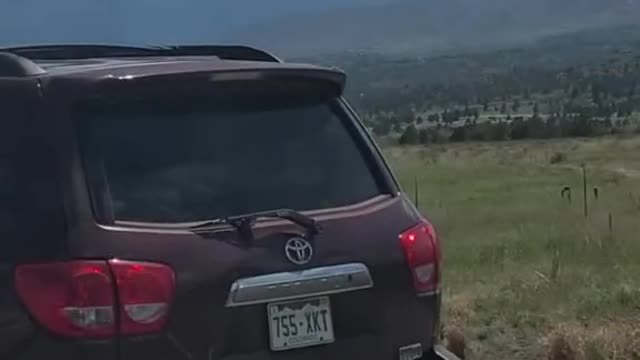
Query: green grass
523, 266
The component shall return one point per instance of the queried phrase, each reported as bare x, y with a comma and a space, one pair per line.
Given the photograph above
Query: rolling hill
143, 21
432, 26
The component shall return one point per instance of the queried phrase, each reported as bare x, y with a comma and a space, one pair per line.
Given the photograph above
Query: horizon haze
294, 28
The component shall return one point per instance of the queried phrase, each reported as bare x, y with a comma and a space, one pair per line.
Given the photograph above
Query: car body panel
201, 323
40, 228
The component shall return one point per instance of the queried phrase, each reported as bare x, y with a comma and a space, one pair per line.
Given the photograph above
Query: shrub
558, 158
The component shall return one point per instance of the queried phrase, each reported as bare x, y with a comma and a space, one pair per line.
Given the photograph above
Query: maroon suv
201, 203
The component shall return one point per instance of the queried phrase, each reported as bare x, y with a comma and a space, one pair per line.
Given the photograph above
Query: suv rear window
181, 160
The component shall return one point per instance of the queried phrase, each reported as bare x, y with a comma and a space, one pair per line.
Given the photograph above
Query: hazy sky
142, 21
306, 26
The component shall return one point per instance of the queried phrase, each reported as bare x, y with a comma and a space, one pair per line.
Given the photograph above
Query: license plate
300, 323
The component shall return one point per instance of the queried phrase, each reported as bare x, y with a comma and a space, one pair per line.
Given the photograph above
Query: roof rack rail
12, 65
228, 52
88, 51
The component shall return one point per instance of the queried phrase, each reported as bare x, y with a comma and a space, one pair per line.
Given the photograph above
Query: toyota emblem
298, 250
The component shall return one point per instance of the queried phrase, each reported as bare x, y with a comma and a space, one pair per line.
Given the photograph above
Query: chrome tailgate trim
318, 281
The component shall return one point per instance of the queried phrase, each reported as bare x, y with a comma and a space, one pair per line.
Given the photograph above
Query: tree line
586, 100
519, 128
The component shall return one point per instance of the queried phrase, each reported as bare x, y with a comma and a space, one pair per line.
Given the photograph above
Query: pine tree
409, 136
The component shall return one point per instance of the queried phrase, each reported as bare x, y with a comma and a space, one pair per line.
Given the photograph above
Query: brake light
145, 291
422, 254
71, 299
78, 298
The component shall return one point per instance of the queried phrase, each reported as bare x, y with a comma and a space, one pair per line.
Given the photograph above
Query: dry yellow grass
617, 339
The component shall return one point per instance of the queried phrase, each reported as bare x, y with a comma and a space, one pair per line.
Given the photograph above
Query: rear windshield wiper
244, 223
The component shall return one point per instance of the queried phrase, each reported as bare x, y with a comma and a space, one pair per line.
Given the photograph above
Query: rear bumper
411, 322
374, 330
362, 350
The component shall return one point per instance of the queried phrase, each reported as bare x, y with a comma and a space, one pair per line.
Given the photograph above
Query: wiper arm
244, 223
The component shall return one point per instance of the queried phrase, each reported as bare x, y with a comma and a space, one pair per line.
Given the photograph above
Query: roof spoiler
19, 61
12, 65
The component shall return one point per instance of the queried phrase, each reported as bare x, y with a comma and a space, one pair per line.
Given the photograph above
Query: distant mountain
144, 21
377, 81
430, 26
303, 27
392, 73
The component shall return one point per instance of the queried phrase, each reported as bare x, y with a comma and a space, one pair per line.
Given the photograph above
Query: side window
10, 188
8, 196
32, 225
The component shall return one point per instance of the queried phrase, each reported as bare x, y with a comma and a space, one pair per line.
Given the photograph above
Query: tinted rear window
179, 160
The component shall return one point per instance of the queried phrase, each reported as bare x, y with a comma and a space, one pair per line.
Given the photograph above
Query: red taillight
145, 291
77, 298
71, 299
422, 253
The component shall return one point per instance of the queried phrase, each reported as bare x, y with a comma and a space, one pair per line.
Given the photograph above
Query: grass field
527, 275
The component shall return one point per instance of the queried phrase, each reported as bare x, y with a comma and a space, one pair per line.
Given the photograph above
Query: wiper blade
244, 223
294, 216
